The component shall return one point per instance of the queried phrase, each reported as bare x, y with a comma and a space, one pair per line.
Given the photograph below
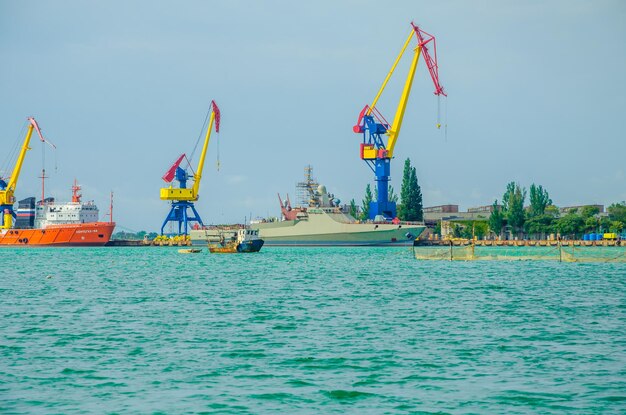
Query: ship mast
306, 189
75, 195
43, 178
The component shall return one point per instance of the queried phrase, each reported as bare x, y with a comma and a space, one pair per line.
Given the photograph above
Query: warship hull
321, 228
309, 233
322, 221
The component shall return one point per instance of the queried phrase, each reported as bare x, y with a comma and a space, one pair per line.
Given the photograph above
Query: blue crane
374, 126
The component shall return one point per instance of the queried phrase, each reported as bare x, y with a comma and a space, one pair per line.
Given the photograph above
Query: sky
536, 94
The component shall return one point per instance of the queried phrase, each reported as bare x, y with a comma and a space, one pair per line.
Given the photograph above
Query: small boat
246, 240
189, 251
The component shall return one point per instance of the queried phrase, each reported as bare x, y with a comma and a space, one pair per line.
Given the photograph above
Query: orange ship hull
79, 234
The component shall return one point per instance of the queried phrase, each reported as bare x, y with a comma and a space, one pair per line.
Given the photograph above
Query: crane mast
7, 189
373, 125
182, 197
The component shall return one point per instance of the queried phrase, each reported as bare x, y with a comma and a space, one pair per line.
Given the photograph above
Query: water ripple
311, 331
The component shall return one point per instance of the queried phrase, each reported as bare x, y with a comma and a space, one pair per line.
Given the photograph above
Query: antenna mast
43, 178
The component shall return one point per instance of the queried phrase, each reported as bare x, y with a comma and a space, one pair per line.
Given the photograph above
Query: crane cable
445, 116
438, 111
43, 156
9, 161
217, 144
204, 127
445, 125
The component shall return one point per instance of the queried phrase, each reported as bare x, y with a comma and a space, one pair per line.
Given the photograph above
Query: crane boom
20, 159
393, 68
7, 198
394, 131
215, 117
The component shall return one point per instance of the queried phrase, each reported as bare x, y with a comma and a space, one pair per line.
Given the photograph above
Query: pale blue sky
537, 93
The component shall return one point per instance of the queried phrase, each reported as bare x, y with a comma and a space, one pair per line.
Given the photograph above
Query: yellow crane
374, 127
182, 197
7, 189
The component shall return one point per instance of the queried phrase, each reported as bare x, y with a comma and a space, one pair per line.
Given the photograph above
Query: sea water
307, 330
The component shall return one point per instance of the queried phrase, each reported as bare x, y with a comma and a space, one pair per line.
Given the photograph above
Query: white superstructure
51, 213
48, 212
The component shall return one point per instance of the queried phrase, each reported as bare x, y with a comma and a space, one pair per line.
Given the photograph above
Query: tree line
542, 218
123, 235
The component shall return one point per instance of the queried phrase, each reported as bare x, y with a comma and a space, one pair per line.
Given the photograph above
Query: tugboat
245, 240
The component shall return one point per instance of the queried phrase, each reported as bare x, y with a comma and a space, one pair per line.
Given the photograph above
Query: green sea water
307, 330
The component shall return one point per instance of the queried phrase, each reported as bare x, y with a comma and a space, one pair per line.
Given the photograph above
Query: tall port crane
7, 189
374, 126
182, 197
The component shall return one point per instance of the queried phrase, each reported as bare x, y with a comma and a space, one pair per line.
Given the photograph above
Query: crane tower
373, 125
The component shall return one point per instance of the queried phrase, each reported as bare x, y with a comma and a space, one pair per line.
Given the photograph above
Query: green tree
592, 224
353, 209
588, 211
540, 225
616, 226
539, 200
510, 190
496, 219
476, 228
393, 197
365, 213
481, 228
604, 224
513, 200
416, 207
552, 211
437, 230
617, 212
405, 190
457, 230
412, 208
572, 225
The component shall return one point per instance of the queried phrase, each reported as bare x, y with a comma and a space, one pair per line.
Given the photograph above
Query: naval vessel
320, 220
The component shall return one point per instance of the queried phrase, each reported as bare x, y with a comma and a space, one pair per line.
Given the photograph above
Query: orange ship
65, 224
86, 234
48, 223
